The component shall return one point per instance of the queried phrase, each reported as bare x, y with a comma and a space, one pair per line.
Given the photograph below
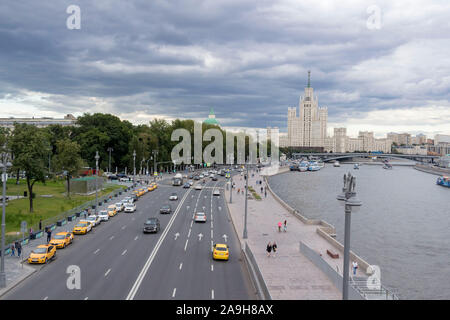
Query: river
403, 225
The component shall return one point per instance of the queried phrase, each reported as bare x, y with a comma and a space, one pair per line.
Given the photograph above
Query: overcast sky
141, 59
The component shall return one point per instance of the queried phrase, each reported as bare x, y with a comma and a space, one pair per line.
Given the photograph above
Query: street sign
23, 226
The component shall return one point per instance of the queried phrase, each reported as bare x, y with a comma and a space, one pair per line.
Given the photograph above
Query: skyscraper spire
309, 79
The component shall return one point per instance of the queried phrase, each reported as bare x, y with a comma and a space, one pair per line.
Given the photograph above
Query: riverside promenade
289, 275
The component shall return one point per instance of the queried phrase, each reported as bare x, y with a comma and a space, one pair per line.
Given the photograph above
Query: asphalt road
118, 261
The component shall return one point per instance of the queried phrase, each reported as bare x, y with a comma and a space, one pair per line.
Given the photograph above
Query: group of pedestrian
17, 245
271, 247
284, 225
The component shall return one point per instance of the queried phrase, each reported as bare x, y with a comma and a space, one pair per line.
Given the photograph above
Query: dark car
214, 178
186, 185
151, 225
135, 197
196, 178
165, 209
113, 177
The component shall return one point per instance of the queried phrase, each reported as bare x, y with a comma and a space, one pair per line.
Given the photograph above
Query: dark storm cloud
243, 58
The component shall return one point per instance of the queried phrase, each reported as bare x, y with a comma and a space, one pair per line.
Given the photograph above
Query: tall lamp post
4, 165
155, 153
97, 157
350, 199
246, 199
109, 162
134, 167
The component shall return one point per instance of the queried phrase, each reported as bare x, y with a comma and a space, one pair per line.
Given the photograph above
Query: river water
403, 225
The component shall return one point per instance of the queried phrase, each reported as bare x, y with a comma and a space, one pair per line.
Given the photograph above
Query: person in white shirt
354, 266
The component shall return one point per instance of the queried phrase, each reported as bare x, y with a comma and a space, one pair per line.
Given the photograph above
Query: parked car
42, 254
131, 207
95, 220
119, 206
82, 227
103, 215
151, 225
61, 239
165, 209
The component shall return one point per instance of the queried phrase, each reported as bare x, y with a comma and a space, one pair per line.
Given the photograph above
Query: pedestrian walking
279, 226
285, 226
13, 250
355, 267
269, 249
265, 193
19, 248
40, 224
274, 248
49, 235
261, 189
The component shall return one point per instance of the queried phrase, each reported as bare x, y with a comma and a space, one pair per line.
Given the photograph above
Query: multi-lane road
118, 261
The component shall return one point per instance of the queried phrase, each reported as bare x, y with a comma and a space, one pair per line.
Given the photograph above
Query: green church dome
211, 118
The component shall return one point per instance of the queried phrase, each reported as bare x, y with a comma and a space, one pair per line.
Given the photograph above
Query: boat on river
313, 166
443, 181
356, 166
336, 164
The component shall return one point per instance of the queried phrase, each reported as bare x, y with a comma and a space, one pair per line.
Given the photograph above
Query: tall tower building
310, 128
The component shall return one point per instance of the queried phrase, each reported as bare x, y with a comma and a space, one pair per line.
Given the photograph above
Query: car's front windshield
59, 236
39, 250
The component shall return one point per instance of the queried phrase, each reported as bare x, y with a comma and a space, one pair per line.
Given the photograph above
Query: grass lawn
44, 208
254, 193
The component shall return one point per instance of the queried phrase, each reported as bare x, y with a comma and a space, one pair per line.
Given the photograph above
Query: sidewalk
289, 275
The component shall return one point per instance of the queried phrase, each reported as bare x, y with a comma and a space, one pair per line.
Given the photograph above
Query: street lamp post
4, 165
246, 199
109, 162
96, 180
134, 167
349, 196
155, 153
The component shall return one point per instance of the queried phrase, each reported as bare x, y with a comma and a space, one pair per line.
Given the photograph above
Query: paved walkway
288, 275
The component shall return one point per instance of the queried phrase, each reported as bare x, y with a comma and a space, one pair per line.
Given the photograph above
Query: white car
103, 215
201, 176
200, 217
173, 196
123, 179
198, 186
216, 192
131, 207
191, 182
128, 200
119, 206
93, 219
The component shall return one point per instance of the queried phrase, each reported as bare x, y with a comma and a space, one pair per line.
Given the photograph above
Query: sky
381, 66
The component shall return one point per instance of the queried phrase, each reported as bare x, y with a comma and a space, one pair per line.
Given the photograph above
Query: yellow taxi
141, 192
62, 239
151, 187
42, 254
221, 252
82, 228
112, 210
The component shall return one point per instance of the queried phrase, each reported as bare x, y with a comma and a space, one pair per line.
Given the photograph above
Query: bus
177, 180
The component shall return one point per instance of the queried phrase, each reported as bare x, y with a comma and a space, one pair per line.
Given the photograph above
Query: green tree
68, 159
29, 145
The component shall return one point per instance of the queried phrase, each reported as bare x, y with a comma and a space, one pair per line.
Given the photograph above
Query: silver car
200, 217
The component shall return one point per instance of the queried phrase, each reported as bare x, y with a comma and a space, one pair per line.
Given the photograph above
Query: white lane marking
211, 223
181, 265
189, 233
136, 238
96, 251
106, 273
174, 291
212, 268
212, 233
212, 294
149, 261
112, 237
185, 246
192, 223
123, 227
212, 246
45, 298
86, 298
125, 251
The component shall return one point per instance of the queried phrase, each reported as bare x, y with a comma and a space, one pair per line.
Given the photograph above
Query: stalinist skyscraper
310, 128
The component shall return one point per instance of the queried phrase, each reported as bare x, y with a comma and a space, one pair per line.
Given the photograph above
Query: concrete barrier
332, 274
255, 273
